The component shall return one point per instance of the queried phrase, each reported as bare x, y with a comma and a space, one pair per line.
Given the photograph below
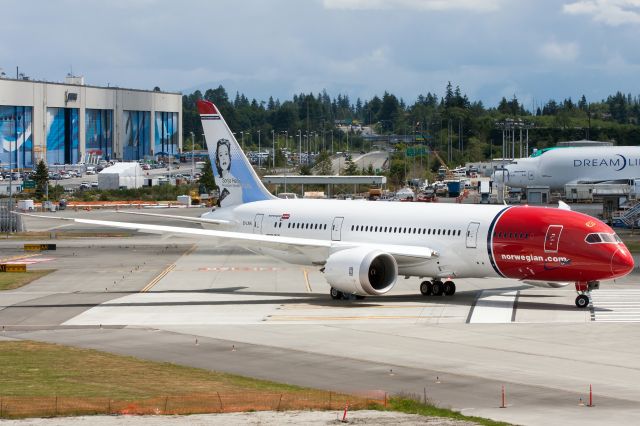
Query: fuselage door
552, 239
257, 224
472, 235
336, 229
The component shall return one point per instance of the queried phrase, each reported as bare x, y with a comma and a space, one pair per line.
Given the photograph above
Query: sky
534, 49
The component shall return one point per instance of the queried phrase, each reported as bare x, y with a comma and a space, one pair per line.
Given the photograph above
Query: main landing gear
584, 289
338, 295
437, 288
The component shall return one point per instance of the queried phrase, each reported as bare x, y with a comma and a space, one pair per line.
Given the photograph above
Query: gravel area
261, 418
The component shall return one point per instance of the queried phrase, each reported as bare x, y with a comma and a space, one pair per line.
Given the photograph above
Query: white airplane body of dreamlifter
558, 167
364, 246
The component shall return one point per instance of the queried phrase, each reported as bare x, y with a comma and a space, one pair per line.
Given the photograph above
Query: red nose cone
621, 262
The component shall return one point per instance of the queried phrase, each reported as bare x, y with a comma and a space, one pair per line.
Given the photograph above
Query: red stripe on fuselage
547, 244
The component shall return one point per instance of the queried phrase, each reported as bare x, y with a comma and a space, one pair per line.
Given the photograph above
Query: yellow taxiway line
306, 280
166, 270
157, 279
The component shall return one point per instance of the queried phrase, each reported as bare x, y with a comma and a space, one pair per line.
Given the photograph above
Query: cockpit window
593, 238
602, 238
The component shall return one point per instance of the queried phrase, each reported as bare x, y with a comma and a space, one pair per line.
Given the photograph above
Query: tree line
431, 119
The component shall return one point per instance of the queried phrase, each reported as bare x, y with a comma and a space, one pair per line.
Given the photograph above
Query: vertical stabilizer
237, 181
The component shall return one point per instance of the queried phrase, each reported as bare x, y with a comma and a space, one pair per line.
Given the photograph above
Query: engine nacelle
361, 271
546, 284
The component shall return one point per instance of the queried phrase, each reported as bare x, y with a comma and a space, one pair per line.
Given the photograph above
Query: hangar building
70, 122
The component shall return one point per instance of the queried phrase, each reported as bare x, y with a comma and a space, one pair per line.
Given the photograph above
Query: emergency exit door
472, 235
257, 224
552, 239
336, 229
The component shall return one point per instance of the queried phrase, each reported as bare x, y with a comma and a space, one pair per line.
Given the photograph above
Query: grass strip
410, 405
51, 375
12, 280
43, 369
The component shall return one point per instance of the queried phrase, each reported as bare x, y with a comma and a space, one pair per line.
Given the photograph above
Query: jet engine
361, 271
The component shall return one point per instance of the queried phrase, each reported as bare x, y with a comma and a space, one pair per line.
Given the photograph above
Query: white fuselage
559, 167
458, 234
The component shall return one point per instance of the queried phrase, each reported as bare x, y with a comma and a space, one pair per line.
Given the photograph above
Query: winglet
206, 107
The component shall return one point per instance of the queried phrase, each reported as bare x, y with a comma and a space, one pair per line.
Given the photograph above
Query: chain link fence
9, 221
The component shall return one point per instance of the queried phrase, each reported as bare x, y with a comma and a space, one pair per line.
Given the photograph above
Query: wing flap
182, 218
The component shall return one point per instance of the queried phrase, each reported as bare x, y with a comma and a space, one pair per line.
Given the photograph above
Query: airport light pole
242, 139
193, 145
259, 153
332, 142
273, 138
299, 148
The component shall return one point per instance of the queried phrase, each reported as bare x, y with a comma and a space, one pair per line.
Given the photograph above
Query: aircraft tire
336, 294
426, 288
582, 301
449, 288
437, 288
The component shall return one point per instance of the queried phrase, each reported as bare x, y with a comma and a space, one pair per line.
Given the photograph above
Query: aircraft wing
404, 255
182, 218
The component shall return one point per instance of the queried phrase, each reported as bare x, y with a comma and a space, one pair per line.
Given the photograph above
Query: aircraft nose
621, 262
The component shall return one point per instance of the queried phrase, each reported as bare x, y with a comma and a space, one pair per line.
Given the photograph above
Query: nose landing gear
584, 290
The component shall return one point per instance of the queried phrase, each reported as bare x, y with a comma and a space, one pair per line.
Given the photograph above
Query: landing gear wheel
582, 301
449, 288
437, 288
426, 288
336, 294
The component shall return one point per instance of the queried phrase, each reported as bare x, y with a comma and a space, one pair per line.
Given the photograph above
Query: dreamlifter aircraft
363, 247
558, 167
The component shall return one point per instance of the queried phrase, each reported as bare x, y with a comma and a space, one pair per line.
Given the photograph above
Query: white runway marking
494, 307
151, 309
616, 305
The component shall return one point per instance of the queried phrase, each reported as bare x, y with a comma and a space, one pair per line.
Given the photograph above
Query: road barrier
39, 247
21, 407
13, 267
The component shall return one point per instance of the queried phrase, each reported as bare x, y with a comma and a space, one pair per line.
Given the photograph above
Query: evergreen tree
323, 165
206, 181
41, 177
350, 168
